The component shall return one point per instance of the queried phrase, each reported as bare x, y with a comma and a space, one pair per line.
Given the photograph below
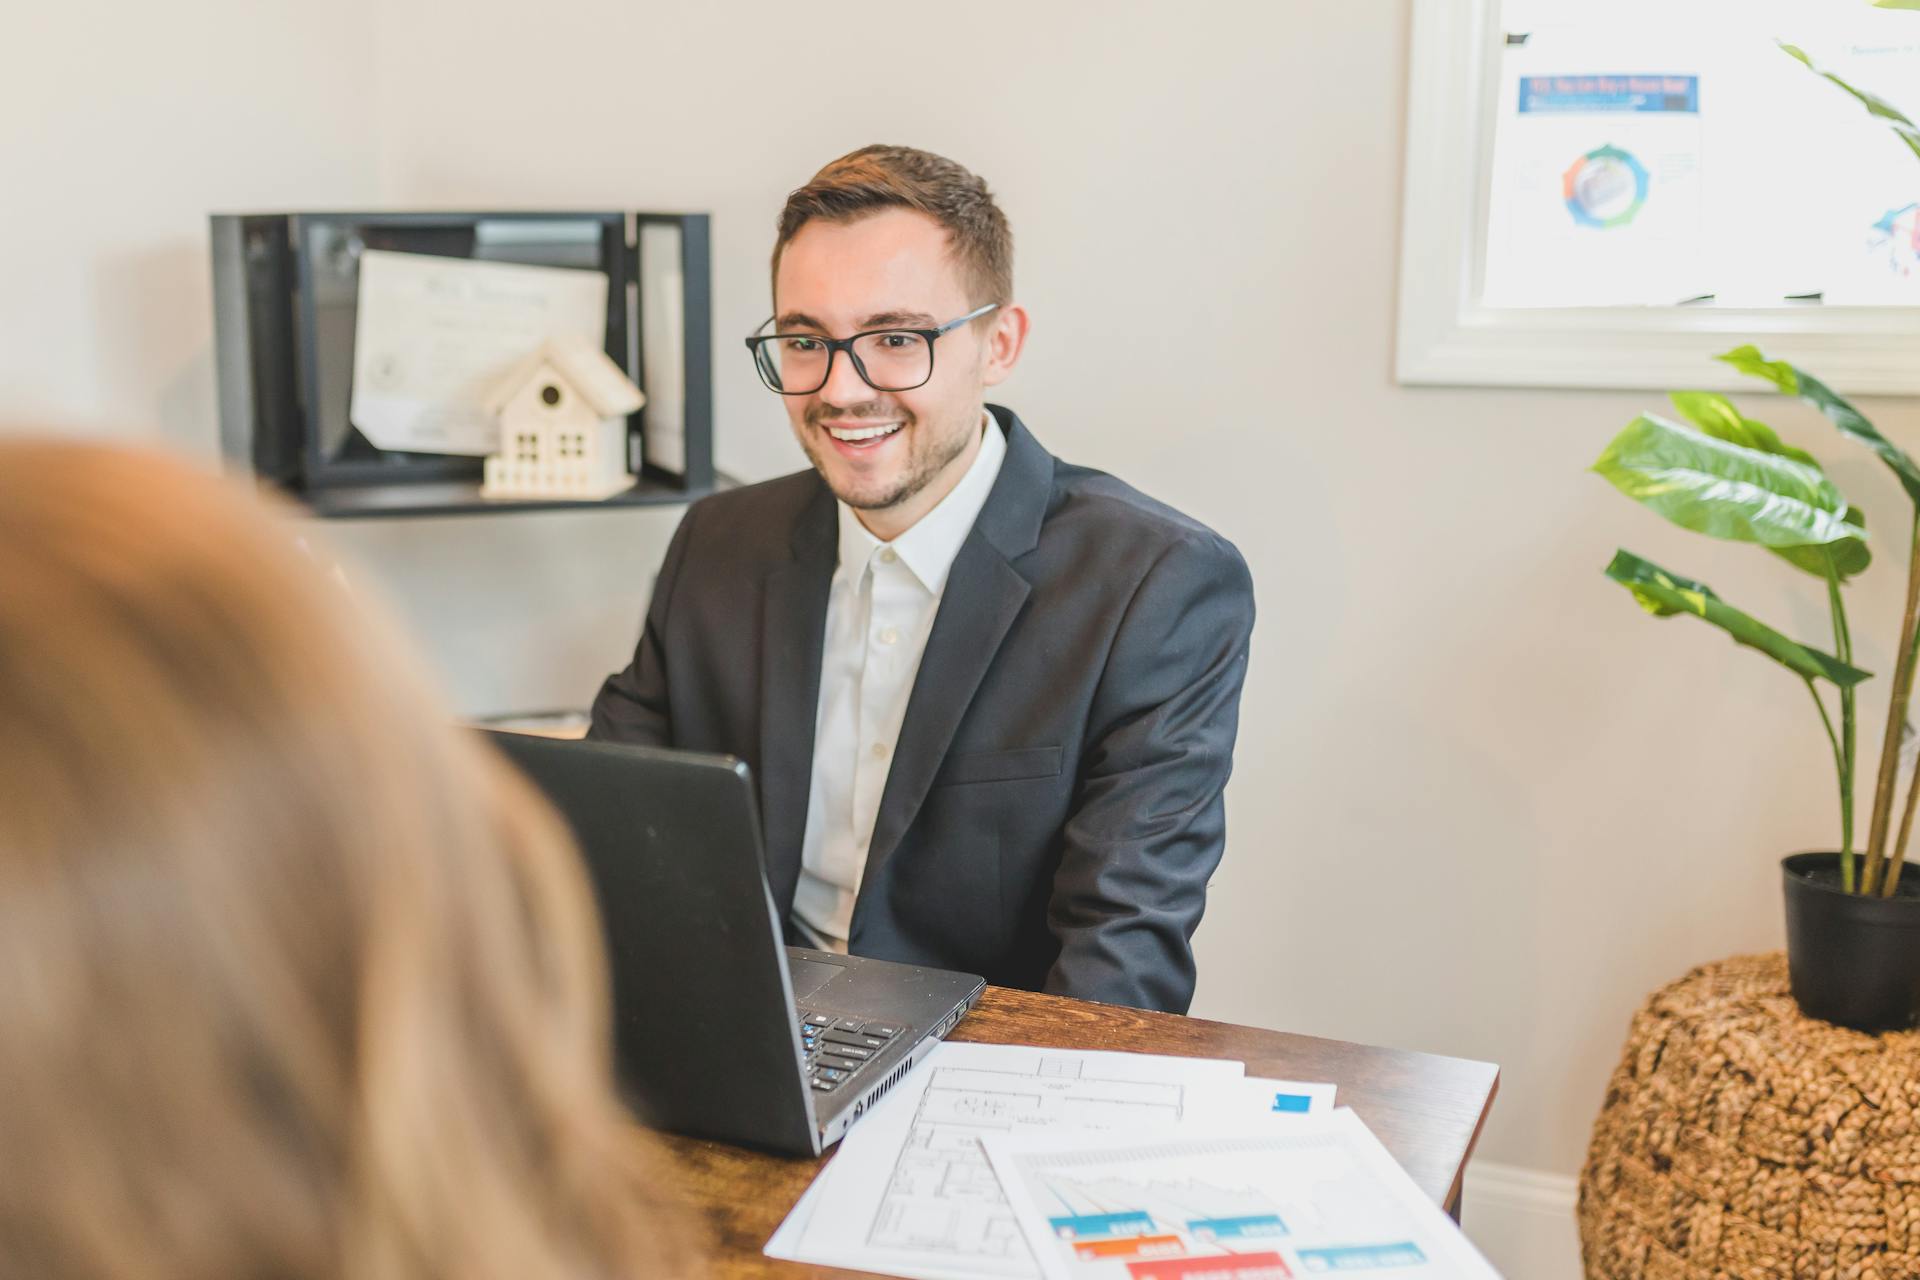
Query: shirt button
889, 636
887, 556
879, 751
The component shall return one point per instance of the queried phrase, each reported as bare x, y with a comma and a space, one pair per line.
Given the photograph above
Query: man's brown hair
881, 177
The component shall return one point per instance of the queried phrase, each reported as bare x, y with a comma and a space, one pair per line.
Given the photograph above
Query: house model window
563, 425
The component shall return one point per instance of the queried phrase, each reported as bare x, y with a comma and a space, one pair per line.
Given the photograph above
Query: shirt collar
929, 547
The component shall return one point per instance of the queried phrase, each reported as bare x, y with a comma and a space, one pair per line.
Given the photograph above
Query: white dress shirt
880, 610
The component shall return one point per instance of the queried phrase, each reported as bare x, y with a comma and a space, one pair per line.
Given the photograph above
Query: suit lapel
983, 596
793, 625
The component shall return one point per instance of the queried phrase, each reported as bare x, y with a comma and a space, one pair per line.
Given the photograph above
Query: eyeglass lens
892, 360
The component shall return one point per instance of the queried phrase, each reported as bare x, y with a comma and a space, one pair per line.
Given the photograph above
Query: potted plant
1853, 917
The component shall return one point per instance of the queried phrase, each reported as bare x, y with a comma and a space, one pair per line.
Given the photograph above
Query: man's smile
860, 434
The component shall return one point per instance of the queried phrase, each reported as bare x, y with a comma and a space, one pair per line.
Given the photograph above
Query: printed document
433, 335
1316, 1196
910, 1192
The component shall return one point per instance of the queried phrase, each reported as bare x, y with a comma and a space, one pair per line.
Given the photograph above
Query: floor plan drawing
911, 1193
943, 1196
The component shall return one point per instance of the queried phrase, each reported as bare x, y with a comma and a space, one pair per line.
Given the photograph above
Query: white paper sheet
432, 335
1315, 1195
663, 346
1229, 1102
910, 1192
1597, 190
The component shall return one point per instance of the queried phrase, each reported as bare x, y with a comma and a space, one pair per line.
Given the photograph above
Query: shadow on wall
154, 342
521, 612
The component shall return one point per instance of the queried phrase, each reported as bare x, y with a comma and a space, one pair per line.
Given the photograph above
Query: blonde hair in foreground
295, 980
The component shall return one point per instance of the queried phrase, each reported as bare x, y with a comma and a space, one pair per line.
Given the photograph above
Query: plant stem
1906, 829
1896, 720
1844, 751
1906, 818
1840, 770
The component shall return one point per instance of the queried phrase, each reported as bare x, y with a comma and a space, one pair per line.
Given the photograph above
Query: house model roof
593, 376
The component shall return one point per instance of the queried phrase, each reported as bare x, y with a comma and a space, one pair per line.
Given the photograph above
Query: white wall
1482, 804
121, 127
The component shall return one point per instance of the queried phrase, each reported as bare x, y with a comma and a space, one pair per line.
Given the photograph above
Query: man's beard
923, 463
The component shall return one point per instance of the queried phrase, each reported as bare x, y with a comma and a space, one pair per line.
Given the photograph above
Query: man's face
888, 270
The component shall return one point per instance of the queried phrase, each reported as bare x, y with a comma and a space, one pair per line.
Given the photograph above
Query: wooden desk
1426, 1109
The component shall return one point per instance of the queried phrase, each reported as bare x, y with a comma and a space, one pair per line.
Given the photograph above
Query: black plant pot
1853, 961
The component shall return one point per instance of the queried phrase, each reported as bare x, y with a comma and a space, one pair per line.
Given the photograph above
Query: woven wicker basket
1740, 1140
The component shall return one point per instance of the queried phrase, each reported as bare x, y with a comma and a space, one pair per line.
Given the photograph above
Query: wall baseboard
1523, 1220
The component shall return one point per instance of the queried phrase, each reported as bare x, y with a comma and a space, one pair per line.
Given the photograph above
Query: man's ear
1006, 338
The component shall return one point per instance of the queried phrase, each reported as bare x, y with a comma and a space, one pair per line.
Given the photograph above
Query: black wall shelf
285, 290
462, 498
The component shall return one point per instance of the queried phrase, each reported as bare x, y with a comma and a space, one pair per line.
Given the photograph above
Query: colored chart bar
1233, 1266
1361, 1258
1241, 1228
1093, 1226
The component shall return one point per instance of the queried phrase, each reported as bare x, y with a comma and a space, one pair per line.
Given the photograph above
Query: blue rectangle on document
1291, 1102
1367, 1257
1245, 1228
1093, 1226
1546, 95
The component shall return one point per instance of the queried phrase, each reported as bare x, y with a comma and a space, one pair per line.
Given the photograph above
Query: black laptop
720, 1030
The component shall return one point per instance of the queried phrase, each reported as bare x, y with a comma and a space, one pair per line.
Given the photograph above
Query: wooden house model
563, 425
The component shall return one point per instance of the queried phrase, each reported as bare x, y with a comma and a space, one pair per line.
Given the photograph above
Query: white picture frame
1446, 337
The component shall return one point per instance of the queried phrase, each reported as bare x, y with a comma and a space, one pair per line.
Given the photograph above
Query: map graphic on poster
1605, 188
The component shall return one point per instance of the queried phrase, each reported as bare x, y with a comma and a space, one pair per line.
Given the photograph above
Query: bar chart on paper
1313, 1202
911, 1192
942, 1198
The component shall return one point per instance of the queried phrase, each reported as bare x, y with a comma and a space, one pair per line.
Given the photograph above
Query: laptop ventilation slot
885, 1085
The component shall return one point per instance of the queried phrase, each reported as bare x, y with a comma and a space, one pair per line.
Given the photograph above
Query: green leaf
1851, 422
1727, 490
1666, 595
1849, 557
1748, 360
1908, 131
1896, 4
1716, 415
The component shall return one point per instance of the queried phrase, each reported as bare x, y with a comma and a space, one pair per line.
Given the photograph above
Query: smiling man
989, 697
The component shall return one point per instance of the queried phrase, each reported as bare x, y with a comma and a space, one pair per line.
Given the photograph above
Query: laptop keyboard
837, 1048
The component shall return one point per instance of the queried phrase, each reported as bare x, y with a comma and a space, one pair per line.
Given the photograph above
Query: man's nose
845, 387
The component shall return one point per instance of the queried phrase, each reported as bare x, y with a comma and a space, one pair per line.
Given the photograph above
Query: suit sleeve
1148, 826
633, 705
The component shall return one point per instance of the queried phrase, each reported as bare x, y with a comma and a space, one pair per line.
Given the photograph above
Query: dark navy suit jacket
1053, 810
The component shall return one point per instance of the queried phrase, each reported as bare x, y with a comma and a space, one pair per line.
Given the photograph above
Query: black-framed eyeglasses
799, 364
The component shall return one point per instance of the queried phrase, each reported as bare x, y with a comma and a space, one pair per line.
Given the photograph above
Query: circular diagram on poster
1605, 188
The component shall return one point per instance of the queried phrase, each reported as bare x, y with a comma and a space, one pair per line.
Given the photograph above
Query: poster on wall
1596, 197
1648, 154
